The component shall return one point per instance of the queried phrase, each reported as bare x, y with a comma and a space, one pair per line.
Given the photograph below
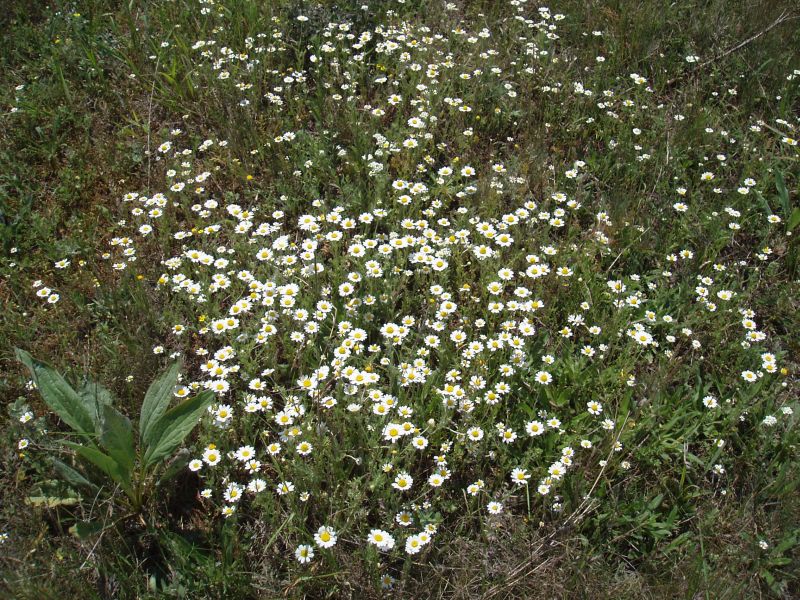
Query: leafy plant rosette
111, 452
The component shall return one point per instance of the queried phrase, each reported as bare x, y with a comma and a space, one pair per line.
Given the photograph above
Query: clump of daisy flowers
454, 337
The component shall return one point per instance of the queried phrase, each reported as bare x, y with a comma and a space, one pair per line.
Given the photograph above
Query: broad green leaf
175, 466
58, 395
105, 463
17, 408
625, 404
86, 529
157, 399
116, 436
783, 193
174, 425
560, 399
95, 396
768, 577
794, 220
71, 476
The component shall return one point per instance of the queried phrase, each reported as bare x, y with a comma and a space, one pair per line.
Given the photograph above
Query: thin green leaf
58, 395
157, 399
275, 535
174, 425
765, 207
116, 436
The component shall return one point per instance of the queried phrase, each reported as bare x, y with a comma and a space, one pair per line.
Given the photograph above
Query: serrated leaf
116, 436
59, 395
174, 425
157, 399
105, 463
71, 476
